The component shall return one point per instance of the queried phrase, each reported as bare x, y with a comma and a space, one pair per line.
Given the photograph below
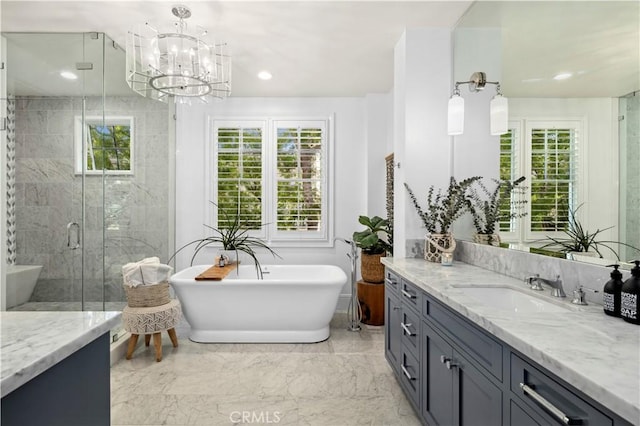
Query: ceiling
598, 42
342, 48
312, 48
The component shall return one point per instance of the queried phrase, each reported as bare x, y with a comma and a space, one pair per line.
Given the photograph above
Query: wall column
422, 86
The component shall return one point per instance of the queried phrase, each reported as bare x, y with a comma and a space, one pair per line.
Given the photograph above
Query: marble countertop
32, 342
595, 353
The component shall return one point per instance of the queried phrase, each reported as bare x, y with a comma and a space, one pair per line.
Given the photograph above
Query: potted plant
372, 247
578, 240
233, 238
440, 213
488, 208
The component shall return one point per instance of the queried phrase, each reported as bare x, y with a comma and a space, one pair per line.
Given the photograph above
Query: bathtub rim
340, 277
15, 269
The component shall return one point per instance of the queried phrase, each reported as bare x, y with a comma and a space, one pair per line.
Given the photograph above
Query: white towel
147, 271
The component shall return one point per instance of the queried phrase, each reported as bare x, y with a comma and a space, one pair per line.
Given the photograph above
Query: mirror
563, 66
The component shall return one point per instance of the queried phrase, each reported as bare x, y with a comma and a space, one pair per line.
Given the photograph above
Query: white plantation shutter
301, 179
553, 163
547, 153
239, 174
509, 170
276, 179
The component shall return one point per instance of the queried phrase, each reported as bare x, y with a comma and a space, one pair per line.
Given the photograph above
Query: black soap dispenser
612, 292
629, 306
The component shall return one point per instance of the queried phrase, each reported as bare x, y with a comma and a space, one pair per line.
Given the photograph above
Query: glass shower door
52, 205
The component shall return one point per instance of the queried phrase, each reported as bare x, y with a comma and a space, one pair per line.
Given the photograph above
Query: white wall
378, 122
476, 152
600, 116
422, 77
359, 149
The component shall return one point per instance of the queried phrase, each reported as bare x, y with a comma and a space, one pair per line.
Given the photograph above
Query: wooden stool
151, 321
157, 343
371, 298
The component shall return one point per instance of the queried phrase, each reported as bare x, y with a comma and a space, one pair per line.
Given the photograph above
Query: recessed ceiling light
68, 75
264, 75
562, 76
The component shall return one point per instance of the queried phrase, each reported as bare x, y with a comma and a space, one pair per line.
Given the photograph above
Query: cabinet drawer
391, 282
409, 377
484, 349
554, 402
410, 295
519, 417
410, 329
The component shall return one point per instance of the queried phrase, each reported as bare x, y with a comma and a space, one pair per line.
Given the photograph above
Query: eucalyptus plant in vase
488, 208
442, 209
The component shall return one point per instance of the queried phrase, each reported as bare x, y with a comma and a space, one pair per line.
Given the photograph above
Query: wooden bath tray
216, 273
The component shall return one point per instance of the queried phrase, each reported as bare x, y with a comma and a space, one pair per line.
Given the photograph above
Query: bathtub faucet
354, 304
354, 249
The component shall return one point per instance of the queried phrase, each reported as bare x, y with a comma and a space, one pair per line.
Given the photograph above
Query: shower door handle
75, 225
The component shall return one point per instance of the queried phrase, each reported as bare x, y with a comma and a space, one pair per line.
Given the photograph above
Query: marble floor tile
340, 382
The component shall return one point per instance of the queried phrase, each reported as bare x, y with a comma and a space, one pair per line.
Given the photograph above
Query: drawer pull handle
406, 329
407, 294
406, 373
390, 281
447, 362
542, 401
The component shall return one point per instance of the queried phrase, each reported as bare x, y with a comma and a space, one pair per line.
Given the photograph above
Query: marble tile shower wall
632, 119
130, 211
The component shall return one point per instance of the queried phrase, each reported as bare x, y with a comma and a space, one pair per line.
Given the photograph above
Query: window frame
523, 127
270, 125
299, 236
81, 134
516, 224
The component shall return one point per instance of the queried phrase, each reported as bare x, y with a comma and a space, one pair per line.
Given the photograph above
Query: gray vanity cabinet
392, 338
454, 390
402, 346
455, 373
437, 384
393, 334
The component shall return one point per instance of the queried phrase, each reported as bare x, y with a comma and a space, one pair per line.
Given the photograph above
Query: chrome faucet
556, 285
534, 283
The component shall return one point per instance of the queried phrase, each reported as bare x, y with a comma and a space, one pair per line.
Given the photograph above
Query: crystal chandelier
176, 63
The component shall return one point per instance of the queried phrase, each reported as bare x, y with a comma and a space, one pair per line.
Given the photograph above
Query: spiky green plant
233, 237
578, 239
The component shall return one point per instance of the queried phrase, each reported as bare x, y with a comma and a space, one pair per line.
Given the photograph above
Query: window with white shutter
553, 167
275, 175
239, 186
547, 154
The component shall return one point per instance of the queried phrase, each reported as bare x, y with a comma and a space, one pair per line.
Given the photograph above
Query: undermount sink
509, 299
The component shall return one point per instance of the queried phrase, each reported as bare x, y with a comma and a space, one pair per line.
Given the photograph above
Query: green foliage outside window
240, 177
551, 178
299, 179
110, 147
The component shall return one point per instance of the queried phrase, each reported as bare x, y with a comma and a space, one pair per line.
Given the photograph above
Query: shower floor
69, 306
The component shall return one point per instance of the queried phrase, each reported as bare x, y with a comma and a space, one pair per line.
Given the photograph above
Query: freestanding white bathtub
292, 304
21, 280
